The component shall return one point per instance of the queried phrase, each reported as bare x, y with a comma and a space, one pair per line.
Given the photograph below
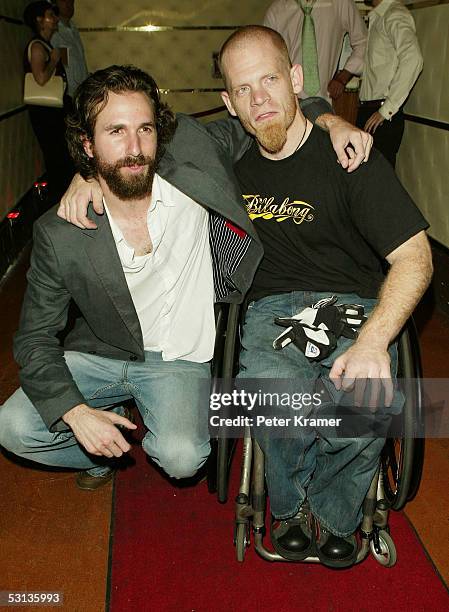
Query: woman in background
48, 122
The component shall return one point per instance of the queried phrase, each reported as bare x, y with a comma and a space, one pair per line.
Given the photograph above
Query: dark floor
55, 537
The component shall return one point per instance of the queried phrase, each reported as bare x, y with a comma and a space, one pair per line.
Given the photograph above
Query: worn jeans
172, 398
333, 473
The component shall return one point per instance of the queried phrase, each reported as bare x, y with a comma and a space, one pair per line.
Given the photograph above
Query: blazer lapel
102, 253
204, 189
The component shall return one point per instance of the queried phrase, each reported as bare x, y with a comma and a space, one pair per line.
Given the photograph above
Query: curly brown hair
92, 96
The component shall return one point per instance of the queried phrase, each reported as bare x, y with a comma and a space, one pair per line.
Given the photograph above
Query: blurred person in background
313, 31
393, 62
48, 123
68, 37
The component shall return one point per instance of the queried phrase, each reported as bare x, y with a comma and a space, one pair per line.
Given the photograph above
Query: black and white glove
303, 329
314, 342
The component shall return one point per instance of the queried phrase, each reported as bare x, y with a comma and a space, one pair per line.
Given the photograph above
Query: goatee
272, 137
131, 187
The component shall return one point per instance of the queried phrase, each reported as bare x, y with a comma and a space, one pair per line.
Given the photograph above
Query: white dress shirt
332, 19
76, 69
393, 58
172, 287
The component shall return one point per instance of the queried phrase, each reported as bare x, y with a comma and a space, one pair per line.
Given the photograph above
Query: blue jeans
333, 473
172, 398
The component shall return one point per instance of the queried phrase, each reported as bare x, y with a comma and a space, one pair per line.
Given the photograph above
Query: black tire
419, 446
221, 316
226, 446
211, 466
241, 541
397, 462
402, 458
388, 555
417, 468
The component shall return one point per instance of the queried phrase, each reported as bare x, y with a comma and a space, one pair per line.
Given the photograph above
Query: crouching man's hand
96, 430
364, 369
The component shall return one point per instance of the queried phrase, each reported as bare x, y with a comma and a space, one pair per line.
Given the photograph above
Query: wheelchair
395, 482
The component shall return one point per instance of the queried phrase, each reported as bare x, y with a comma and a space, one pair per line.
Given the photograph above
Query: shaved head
261, 88
247, 34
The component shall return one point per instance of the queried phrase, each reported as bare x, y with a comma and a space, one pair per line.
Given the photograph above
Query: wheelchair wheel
387, 555
397, 465
418, 463
226, 446
241, 540
402, 458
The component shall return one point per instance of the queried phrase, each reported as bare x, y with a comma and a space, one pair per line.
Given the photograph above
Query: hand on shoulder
75, 202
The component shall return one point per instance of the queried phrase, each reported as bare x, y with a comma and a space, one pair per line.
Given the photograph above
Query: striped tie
309, 52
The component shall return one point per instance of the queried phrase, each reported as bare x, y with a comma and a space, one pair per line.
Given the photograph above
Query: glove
337, 320
314, 342
343, 319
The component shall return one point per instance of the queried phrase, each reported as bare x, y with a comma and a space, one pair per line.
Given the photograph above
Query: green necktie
309, 52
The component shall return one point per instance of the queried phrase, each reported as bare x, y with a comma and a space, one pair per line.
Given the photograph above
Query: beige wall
183, 59
20, 160
179, 59
430, 96
423, 162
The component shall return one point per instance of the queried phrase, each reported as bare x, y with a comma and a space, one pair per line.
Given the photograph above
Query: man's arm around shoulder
351, 145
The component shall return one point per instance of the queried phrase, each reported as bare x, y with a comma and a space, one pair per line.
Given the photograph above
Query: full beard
132, 187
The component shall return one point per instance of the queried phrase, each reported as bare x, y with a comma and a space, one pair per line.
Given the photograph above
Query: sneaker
292, 538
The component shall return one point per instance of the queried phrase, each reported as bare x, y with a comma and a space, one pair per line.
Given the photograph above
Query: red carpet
172, 551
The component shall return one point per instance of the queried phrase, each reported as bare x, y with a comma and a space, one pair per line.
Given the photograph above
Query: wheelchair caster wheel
387, 555
241, 540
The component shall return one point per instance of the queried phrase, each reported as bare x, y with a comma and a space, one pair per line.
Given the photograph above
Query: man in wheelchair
325, 233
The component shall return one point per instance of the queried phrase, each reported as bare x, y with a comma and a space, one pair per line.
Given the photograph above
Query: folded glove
325, 315
315, 343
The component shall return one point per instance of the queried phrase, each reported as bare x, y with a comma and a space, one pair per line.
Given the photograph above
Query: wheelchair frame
395, 482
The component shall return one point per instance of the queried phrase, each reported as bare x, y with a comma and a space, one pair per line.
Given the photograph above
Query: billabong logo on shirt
265, 208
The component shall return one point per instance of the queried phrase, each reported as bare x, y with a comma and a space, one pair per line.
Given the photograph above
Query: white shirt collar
381, 8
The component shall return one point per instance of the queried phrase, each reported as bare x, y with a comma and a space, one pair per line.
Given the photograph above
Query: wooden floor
55, 537
429, 511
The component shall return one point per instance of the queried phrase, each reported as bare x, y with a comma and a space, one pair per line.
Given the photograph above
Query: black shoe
292, 538
334, 551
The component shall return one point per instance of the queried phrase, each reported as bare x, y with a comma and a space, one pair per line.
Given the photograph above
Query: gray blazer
80, 270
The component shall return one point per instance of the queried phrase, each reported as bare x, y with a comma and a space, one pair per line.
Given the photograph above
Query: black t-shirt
324, 229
